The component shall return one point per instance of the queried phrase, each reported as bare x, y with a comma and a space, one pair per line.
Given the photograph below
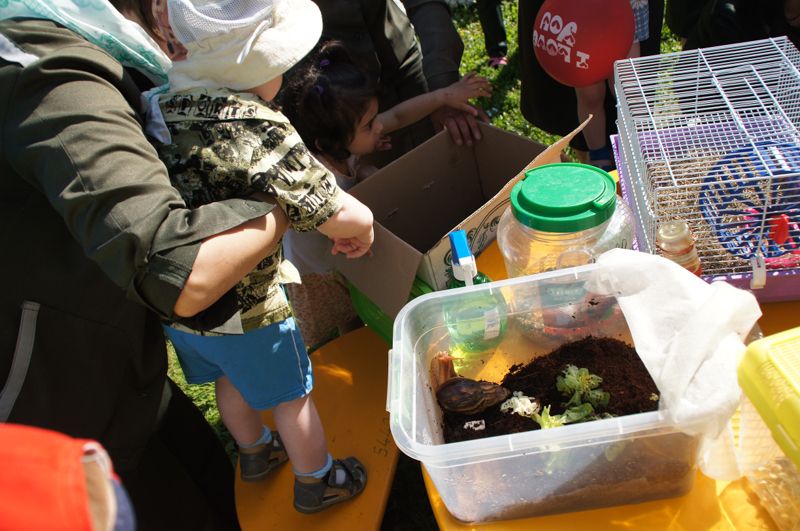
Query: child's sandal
256, 463
346, 478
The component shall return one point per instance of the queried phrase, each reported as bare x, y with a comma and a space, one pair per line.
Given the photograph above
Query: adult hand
462, 126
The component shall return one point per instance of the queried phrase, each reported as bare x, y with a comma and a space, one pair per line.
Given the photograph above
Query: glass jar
677, 243
559, 212
562, 215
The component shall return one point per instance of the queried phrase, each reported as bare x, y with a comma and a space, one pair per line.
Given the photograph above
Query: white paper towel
690, 336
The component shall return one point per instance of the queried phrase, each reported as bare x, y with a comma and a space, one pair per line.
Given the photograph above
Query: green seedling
547, 421
574, 414
581, 387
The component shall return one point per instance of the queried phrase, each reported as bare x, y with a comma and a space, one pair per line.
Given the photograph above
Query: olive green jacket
96, 242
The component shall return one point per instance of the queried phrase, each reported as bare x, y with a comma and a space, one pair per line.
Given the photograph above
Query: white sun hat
240, 44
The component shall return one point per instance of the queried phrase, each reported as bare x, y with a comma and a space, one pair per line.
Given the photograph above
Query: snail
457, 394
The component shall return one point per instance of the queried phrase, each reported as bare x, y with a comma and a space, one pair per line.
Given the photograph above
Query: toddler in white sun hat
225, 140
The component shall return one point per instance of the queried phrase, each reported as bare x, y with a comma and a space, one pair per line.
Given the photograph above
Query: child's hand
354, 247
470, 86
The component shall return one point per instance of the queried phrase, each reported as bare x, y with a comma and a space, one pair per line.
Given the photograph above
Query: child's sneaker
346, 478
256, 463
497, 62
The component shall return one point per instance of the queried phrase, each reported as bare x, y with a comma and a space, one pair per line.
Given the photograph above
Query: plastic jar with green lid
562, 215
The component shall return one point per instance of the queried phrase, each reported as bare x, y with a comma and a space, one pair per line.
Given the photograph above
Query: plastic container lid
564, 197
769, 375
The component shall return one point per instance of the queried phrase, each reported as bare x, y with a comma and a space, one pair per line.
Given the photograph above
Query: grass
408, 506
203, 397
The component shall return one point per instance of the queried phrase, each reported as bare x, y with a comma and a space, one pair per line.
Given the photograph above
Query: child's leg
242, 421
636, 49
303, 435
259, 451
590, 101
320, 480
494, 31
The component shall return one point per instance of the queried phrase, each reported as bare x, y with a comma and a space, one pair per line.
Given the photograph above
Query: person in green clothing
100, 247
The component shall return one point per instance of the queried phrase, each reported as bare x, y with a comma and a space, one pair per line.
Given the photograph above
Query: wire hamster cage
712, 137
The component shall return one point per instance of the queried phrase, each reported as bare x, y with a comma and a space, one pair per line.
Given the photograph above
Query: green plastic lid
564, 197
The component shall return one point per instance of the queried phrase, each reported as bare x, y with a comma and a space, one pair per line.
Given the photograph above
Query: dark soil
625, 378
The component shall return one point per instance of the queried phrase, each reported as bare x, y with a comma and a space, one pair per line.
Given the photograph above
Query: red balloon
577, 41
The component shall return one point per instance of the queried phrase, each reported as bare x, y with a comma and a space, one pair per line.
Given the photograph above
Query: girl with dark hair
333, 104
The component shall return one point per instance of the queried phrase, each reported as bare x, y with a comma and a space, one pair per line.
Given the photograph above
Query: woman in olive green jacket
97, 246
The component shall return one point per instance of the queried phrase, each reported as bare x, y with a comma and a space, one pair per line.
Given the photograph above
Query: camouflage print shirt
227, 144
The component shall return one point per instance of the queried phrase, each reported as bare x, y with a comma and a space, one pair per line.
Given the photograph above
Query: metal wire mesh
711, 137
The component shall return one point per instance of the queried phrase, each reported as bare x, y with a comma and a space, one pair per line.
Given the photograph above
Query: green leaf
547, 421
579, 413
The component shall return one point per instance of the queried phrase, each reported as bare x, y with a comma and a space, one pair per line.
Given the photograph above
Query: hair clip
318, 89
323, 63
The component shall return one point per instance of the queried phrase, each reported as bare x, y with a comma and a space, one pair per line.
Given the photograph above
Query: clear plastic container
769, 436
601, 463
562, 215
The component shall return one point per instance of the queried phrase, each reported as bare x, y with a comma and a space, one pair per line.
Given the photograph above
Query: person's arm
307, 191
442, 49
350, 227
224, 259
73, 135
455, 96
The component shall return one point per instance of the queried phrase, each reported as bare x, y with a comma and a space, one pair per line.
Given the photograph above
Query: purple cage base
783, 285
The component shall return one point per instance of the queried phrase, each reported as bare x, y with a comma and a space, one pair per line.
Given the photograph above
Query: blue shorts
268, 365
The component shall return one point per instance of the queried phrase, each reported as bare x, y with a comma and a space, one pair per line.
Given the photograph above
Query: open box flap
420, 197
386, 276
549, 156
422, 194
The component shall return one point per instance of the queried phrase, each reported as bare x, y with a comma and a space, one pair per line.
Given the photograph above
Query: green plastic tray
374, 316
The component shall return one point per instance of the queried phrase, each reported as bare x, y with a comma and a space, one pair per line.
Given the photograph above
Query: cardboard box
434, 189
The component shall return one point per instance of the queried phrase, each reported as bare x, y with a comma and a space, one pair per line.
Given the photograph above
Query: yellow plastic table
350, 394
709, 506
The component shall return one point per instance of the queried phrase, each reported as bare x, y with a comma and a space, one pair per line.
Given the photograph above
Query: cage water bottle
477, 320
677, 243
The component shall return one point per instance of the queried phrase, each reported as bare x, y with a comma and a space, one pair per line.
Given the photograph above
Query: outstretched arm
456, 96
